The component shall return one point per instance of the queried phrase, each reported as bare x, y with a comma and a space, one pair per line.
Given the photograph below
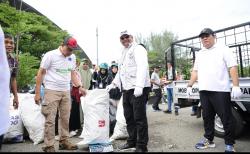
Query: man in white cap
4, 89
211, 67
133, 78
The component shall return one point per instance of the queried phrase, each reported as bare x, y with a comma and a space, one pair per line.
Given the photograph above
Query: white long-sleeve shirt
4, 87
133, 68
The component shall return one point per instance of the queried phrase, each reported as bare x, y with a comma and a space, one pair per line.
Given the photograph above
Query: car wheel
238, 125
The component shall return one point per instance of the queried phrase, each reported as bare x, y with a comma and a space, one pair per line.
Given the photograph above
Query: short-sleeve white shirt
58, 70
212, 65
156, 78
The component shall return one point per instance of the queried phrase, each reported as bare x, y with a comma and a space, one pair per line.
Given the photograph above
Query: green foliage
27, 69
37, 34
157, 43
246, 71
184, 66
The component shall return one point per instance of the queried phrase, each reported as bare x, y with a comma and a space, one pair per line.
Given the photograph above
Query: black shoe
176, 113
167, 111
193, 114
198, 112
145, 149
126, 146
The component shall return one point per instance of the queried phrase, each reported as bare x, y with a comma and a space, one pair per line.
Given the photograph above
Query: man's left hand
15, 102
236, 92
82, 91
138, 91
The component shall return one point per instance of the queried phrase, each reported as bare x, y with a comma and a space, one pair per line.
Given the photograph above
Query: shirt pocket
132, 72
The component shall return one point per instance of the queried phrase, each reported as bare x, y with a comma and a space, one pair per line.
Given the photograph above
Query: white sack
33, 119
95, 107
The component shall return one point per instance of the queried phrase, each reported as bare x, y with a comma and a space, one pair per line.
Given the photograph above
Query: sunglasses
124, 37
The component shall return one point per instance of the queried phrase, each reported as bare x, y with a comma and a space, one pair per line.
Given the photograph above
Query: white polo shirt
156, 78
58, 70
212, 66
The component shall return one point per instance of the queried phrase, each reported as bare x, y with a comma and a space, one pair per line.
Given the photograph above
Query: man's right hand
111, 86
37, 99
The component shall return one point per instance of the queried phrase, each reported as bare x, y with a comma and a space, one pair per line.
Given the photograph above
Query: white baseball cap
125, 32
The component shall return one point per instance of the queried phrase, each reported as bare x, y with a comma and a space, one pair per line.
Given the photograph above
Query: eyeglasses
124, 36
85, 64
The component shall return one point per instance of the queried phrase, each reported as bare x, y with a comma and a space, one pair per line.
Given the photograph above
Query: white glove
138, 91
189, 91
111, 86
236, 92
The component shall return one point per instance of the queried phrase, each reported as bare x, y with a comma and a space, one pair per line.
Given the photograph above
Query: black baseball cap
206, 31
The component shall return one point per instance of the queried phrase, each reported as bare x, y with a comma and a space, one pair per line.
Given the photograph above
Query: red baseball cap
70, 42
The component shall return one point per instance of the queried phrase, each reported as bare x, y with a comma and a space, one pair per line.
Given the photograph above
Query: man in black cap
211, 67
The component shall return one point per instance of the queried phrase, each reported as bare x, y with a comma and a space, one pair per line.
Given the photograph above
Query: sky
185, 18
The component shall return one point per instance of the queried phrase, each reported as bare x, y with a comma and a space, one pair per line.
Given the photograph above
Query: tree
157, 43
37, 33
27, 70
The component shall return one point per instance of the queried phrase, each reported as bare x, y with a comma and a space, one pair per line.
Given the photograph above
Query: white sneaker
57, 137
72, 133
82, 145
81, 137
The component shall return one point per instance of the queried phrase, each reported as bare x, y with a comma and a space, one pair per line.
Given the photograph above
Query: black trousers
74, 120
136, 118
158, 95
217, 103
1, 141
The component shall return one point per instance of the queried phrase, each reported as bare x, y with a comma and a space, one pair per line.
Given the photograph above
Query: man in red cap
56, 71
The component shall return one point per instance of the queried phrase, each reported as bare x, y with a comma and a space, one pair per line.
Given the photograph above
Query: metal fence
237, 38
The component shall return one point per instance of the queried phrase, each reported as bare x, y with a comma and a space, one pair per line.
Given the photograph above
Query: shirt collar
214, 46
60, 53
10, 56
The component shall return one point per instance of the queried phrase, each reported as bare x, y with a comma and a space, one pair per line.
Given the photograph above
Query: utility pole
97, 46
18, 33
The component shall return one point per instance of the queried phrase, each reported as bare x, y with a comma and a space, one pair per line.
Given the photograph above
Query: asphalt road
167, 133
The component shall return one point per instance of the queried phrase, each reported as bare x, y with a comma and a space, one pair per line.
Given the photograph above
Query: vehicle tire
238, 125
